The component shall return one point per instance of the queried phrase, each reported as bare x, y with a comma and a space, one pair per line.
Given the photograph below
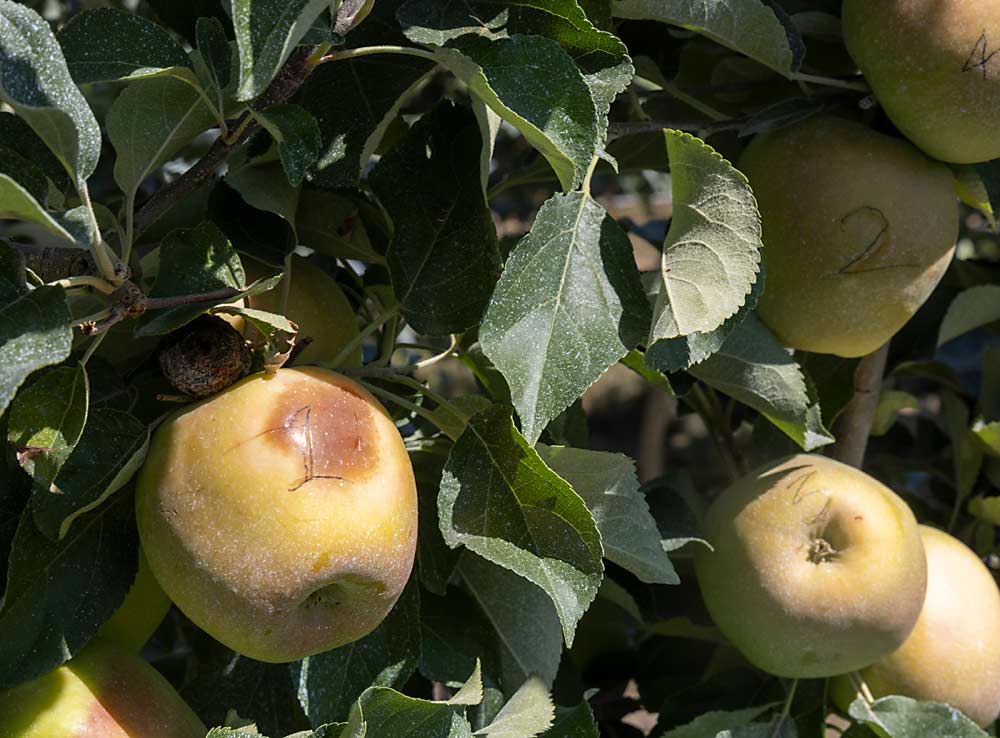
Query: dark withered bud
204, 357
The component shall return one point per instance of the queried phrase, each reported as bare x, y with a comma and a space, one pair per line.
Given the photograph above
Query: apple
281, 514
317, 305
858, 229
953, 653
816, 568
934, 67
103, 692
144, 608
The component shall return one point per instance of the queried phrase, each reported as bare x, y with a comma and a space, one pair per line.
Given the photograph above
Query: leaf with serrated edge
527, 713
712, 253
34, 333
903, 717
48, 416
607, 483
35, 81
717, 721
574, 722
499, 500
266, 33
568, 306
746, 26
971, 309
298, 137
110, 43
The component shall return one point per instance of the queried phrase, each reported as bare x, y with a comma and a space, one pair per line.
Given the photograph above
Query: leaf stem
693, 102
843, 84
431, 361
786, 710
855, 423
94, 345
405, 404
382, 49
349, 347
585, 187
85, 280
105, 266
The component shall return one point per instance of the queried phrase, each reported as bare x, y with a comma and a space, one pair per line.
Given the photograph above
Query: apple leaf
967, 453
534, 85
499, 500
714, 723
573, 722
608, 484
443, 259
266, 33
130, 47
34, 333
903, 717
264, 186
59, 593
750, 27
149, 122
18, 136
754, 368
17, 203
988, 436
333, 224
258, 233
568, 306
28, 175
36, 83
455, 633
110, 451
973, 308
528, 713
45, 423
711, 257
525, 623
329, 683
298, 137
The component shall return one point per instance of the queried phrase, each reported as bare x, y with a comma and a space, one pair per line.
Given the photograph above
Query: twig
158, 303
855, 423
704, 128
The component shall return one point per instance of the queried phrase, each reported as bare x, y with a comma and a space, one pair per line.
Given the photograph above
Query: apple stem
855, 423
786, 710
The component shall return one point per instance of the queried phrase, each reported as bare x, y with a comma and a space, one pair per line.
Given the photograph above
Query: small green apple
103, 692
816, 568
281, 514
317, 305
934, 67
953, 653
858, 229
144, 608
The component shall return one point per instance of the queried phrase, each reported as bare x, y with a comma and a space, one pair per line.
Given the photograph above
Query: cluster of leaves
532, 547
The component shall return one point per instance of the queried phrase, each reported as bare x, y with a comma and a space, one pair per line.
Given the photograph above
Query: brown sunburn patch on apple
331, 429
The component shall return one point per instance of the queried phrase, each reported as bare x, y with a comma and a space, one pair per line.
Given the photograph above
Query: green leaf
552, 107
444, 258
298, 137
45, 422
216, 53
109, 43
524, 620
29, 176
263, 186
902, 717
34, 333
59, 593
16, 203
110, 451
986, 508
500, 500
890, 402
266, 33
525, 715
332, 223
754, 368
971, 309
329, 683
568, 306
18, 136
979, 187
967, 456
712, 253
607, 483
573, 722
713, 723
782, 114
988, 435
749, 27
151, 121
36, 83
455, 633
258, 233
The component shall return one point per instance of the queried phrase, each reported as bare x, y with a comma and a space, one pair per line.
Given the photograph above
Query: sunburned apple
816, 569
103, 692
858, 229
281, 514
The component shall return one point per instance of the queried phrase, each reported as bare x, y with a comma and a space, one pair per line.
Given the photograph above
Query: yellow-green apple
953, 653
858, 229
816, 568
281, 514
317, 305
103, 692
144, 608
935, 68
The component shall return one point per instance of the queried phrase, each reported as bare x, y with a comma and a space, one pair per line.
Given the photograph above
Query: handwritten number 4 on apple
980, 57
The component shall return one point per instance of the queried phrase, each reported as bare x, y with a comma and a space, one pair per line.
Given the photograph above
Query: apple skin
144, 608
317, 305
929, 63
103, 692
280, 515
831, 191
953, 653
788, 615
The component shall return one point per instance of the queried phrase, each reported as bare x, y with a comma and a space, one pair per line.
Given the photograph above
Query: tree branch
855, 423
288, 81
